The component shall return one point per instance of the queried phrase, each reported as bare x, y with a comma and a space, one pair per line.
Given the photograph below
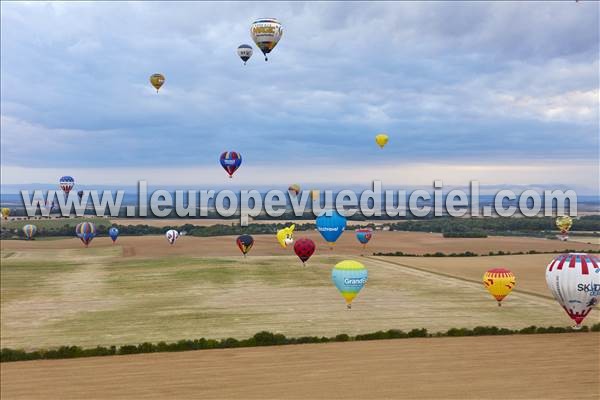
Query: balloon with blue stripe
349, 277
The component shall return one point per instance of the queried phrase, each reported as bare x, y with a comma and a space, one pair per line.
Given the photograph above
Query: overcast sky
507, 93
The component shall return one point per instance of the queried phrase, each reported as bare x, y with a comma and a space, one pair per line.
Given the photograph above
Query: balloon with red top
574, 281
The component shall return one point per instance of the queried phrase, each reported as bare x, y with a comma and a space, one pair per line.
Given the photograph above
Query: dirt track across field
554, 366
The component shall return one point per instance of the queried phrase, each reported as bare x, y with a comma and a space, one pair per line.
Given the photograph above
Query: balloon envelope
499, 282
245, 243
172, 235
230, 161
244, 51
66, 183
294, 189
29, 231
5, 212
304, 249
331, 226
113, 233
349, 277
285, 236
266, 33
381, 140
85, 231
574, 280
157, 80
364, 235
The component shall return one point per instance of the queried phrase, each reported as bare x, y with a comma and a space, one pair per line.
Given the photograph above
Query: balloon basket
349, 306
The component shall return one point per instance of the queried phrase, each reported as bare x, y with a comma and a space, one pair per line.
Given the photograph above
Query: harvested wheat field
141, 289
554, 366
407, 242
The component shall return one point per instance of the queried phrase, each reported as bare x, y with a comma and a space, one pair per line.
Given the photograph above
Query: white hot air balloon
172, 236
244, 51
266, 33
574, 280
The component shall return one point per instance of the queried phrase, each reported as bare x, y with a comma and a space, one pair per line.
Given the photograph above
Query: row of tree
265, 338
449, 227
471, 254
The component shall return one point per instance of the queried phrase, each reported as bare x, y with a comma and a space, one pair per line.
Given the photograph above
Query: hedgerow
265, 338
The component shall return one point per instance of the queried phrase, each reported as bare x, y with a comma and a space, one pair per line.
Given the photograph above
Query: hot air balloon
381, 140
331, 226
29, 231
364, 235
266, 33
574, 280
294, 190
172, 235
285, 236
499, 282
113, 232
157, 80
304, 248
80, 194
66, 183
564, 223
349, 277
5, 212
230, 161
245, 243
244, 51
85, 231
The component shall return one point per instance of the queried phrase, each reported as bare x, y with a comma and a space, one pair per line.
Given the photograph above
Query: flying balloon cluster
573, 279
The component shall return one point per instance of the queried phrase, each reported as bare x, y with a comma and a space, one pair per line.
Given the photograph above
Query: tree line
265, 338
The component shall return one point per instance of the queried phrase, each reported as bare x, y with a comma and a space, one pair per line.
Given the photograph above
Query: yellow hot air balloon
499, 282
564, 223
5, 212
285, 236
382, 139
157, 80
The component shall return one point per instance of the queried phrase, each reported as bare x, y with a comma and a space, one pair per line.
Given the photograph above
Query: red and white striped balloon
574, 280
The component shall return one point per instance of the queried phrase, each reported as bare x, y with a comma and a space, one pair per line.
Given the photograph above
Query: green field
94, 297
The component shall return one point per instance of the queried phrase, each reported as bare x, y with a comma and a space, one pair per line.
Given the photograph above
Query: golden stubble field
563, 366
56, 292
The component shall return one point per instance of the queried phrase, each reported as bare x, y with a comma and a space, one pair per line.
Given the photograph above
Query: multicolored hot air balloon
244, 51
5, 212
331, 225
245, 243
363, 235
285, 236
294, 190
564, 223
304, 249
574, 280
266, 33
29, 231
172, 235
499, 282
381, 140
157, 80
230, 161
85, 231
66, 183
113, 232
349, 277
